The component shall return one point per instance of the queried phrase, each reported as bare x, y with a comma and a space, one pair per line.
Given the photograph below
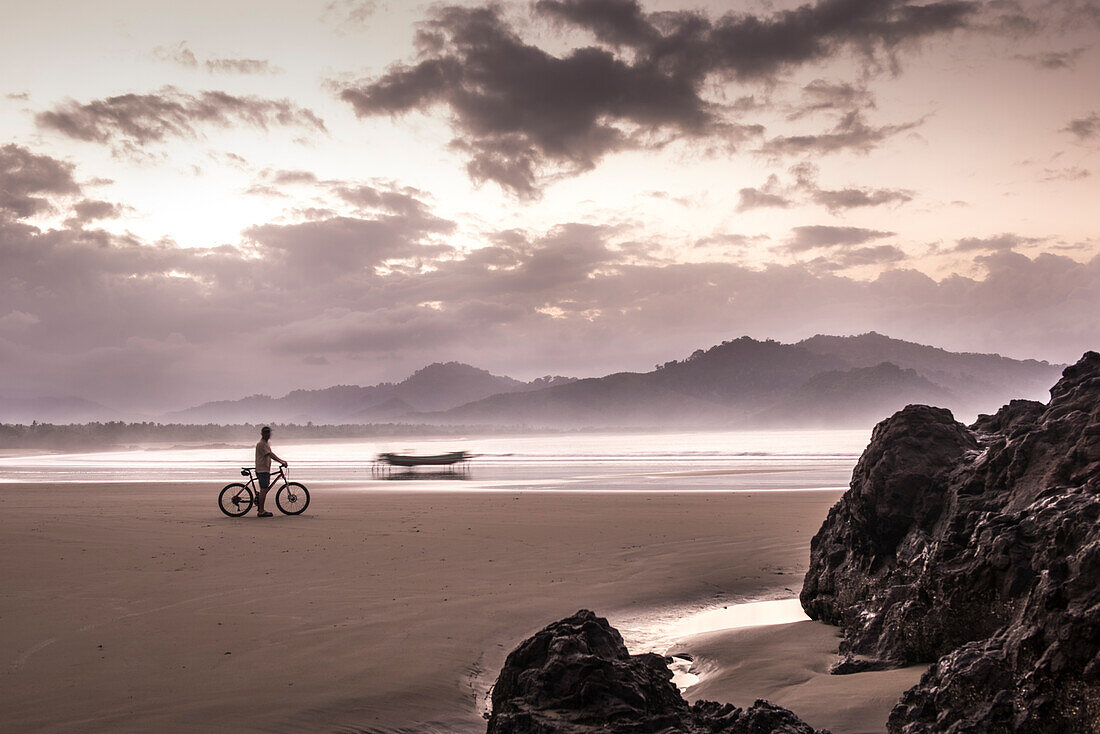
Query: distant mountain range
437, 387
824, 381
821, 381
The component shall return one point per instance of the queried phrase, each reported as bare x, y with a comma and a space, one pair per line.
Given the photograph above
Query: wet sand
131, 608
788, 665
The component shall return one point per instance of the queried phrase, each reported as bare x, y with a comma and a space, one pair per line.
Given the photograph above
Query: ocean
603, 462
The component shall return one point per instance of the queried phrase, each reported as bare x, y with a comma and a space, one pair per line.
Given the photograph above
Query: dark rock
576, 676
978, 550
1018, 414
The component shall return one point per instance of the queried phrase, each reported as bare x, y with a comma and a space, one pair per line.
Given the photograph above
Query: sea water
649, 462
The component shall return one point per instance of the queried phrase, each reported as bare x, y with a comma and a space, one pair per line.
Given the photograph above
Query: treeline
117, 434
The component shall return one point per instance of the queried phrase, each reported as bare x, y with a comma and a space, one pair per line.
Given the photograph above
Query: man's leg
264, 479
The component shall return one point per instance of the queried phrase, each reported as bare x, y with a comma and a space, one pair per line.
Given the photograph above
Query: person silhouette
264, 455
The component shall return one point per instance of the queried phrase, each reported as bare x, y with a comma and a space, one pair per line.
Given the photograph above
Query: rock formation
576, 677
976, 550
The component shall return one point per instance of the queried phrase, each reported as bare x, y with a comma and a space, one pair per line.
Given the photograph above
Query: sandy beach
129, 607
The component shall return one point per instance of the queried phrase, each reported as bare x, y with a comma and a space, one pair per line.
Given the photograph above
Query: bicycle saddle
246, 472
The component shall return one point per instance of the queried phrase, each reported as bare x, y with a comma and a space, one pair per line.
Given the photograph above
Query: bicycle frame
253, 480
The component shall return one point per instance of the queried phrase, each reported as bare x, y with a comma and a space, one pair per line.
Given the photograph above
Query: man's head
265, 433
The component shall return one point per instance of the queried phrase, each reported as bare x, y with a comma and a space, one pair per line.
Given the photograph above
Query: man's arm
273, 456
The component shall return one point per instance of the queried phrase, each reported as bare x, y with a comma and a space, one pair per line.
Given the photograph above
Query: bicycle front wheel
292, 498
235, 500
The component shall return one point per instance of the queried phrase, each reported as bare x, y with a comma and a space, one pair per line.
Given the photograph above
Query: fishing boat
454, 461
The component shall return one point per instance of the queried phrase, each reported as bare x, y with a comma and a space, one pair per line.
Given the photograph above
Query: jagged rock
978, 550
576, 676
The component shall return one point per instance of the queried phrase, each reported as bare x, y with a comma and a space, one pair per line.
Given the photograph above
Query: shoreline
188, 604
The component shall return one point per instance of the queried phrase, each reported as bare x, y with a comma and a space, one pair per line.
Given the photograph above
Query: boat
453, 465
448, 459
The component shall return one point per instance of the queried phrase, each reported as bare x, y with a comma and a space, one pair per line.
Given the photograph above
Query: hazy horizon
216, 200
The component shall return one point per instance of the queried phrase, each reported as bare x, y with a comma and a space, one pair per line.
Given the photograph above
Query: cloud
181, 54
178, 54
380, 288
823, 236
271, 182
750, 198
857, 256
240, 66
1073, 173
26, 176
747, 46
135, 120
821, 95
1084, 128
345, 14
806, 189
851, 133
377, 297
1001, 242
837, 199
770, 195
522, 114
1053, 60
93, 210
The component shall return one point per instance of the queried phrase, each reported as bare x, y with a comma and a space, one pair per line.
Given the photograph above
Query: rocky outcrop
977, 550
576, 677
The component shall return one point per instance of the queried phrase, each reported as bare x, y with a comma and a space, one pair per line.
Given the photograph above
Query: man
264, 455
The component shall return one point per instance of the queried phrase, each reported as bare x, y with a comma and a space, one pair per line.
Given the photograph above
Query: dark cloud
1053, 60
806, 188
837, 199
25, 177
315, 251
851, 133
134, 120
1084, 128
404, 201
522, 113
750, 198
93, 210
384, 290
1010, 18
617, 22
1001, 242
157, 320
270, 182
821, 95
766, 196
857, 256
821, 236
283, 177
747, 46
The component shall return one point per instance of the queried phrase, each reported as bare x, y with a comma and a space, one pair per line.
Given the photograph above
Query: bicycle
236, 499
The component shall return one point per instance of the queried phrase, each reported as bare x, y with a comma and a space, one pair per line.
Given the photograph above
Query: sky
207, 200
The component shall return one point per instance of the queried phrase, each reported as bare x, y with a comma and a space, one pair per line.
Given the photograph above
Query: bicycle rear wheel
235, 500
292, 498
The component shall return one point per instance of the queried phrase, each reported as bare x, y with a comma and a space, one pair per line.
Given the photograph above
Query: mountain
436, 387
823, 381
743, 383
847, 397
53, 410
977, 380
